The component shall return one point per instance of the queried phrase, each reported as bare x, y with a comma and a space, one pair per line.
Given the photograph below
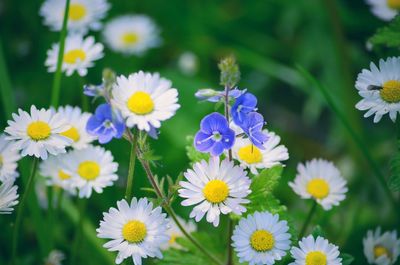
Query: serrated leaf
194, 155
388, 36
347, 259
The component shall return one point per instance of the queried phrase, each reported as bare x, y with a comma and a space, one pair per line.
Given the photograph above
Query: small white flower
55, 258
145, 100
8, 159
261, 238
131, 34
38, 133
84, 15
321, 180
315, 251
8, 196
384, 9
136, 230
77, 120
254, 158
79, 55
174, 232
381, 249
92, 168
215, 188
188, 63
380, 89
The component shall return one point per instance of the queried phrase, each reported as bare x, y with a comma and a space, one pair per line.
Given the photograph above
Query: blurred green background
268, 38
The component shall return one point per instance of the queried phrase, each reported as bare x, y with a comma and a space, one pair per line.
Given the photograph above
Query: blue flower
106, 124
212, 95
244, 105
215, 135
93, 90
252, 127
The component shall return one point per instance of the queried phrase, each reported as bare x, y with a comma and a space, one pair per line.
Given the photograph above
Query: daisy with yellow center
174, 233
91, 169
215, 187
257, 159
379, 88
84, 15
38, 133
145, 100
132, 34
135, 230
321, 181
79, 55
384, 9
8, 159
261, 238
315, 252
381, 248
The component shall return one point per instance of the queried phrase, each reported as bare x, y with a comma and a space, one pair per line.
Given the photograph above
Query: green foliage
394, 181
347, 259
317, 231
194, 155
388, 36
230, 74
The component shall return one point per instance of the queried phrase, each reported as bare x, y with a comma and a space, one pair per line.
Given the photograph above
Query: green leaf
388, 36
194, 155
317, 231
347, 258
394, 181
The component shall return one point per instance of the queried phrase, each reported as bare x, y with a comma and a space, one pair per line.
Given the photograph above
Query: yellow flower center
262, 240
390, 91
394, 4
318, 188
140, 103
62, 175
72, 133
134, 231
89, 170
250, 154
38, 130
130, 38
316, 258
216, 191
381, 251
72, 56
76, 12
173, 238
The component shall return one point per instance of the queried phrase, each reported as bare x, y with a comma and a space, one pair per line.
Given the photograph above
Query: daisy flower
215, 188
8, 196
321, 180
136, 230
381, 249
54, 170
84, 15
174, 232
55, 258
77, 132
384, 9
8, 159
79, 55
254, 158
145, 100
380, 89
261, 238
131, 34
315, 251
38, 133
92, 168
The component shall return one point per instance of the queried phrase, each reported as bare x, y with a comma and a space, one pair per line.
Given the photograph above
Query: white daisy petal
381, 249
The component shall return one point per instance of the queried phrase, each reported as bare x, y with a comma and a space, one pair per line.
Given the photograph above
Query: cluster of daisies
127, 34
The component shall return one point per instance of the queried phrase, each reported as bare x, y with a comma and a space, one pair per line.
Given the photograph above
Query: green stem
308, 219
55, 96
21, 208
77, 239
132, 160
356, 138
5, 86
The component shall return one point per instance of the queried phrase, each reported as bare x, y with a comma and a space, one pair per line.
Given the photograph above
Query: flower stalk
308, 219
132, 162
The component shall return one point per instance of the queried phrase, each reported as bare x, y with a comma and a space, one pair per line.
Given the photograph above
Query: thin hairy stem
132, 160
308, 219
78, 235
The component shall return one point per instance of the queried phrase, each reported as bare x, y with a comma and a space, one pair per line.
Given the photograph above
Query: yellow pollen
72, 56
318, 188
89, 170
130, 38
316, 258
381, 251
262, 240
38, 130
390, 91
140, 103
173, 238
216, 191
250, 154
63, 176
72, 134
394, 4
134, 231
76, 12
